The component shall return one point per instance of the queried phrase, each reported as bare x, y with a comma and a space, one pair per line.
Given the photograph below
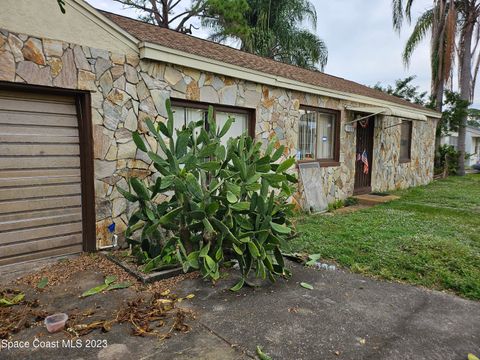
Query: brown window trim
335, 161
251, 113
409, 159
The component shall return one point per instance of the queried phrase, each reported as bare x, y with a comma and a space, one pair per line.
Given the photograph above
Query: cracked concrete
345, 314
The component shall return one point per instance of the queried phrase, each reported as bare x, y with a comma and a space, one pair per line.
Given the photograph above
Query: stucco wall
43, 18
472, 143
126, 90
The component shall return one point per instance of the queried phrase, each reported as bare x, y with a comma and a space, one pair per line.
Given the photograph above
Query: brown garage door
40, 184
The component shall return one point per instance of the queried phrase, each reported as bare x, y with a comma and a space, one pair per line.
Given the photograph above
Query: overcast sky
362, 44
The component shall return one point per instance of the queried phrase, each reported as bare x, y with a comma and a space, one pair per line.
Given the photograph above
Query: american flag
363, 157
365, 161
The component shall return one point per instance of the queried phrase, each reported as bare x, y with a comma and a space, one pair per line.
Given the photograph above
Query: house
472, 144
74, 86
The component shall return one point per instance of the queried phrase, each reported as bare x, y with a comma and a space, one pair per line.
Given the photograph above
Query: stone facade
125, 90
388, 172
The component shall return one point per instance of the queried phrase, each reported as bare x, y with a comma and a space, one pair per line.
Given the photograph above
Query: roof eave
165, 54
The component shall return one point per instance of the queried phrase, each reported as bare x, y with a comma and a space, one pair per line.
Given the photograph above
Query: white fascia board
475, 131
162, 53
93, 15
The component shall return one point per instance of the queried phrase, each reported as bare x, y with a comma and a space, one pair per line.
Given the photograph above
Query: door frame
84, 115
367, 189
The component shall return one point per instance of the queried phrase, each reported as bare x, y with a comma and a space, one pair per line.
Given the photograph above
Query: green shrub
225, 202
337, 204
448, 157
350, 201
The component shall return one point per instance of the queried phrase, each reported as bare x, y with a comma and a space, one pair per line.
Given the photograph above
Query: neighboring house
472, 143
73, 86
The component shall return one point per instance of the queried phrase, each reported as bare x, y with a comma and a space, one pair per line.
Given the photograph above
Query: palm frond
397, 14
449, 47
421, 29
275, 29
401, 9
304, 49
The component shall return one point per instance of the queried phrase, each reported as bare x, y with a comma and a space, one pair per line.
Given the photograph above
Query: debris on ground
146, 317
10, 297
306, 285
170, 283
42, 283
109, 284
61, 271
16, 318
323, 266
64, 269
262, 355
55, 322
297, 257
154, 312
310, 260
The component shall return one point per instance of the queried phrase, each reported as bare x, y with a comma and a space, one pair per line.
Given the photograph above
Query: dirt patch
150, 310
350, 209
63, 270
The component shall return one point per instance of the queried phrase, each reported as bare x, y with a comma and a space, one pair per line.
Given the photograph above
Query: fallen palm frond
109, 284
14, 319
10, 297
145, 316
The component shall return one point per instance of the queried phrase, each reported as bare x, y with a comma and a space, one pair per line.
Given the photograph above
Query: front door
364, 156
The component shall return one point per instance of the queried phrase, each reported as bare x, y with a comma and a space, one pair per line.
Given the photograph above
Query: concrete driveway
345, 316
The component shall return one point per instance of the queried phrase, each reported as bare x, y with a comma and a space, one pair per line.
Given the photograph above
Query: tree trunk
437, 84
465, 81
438, 135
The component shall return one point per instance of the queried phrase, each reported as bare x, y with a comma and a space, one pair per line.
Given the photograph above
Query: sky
362, 44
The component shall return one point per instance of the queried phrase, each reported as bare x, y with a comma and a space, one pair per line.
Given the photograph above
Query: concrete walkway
346, 316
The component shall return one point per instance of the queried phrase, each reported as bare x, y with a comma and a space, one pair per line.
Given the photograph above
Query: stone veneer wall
388, 172
125, 90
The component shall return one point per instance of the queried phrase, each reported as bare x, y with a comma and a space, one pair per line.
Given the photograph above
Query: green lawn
430, 237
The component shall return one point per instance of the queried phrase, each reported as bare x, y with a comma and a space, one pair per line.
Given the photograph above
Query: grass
430, 237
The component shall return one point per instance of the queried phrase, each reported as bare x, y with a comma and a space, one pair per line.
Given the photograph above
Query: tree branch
131, 4
196, 10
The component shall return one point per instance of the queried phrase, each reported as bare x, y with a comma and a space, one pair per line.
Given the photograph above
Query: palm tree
447, 21
440, 22
468, 60
274, 29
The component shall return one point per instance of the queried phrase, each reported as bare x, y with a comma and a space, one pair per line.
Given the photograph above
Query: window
186, 112
453, 140
239, 127
405, 141
319, 136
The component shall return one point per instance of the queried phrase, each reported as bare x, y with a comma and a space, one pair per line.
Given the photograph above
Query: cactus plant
224, 202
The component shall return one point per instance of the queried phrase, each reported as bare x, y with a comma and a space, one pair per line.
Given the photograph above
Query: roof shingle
154, 34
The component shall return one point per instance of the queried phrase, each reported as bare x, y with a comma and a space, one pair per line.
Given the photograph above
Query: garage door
40, 185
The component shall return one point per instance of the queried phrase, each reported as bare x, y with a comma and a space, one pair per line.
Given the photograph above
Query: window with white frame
186, 112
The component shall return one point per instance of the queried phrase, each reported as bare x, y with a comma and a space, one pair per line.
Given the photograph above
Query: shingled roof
189, 44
